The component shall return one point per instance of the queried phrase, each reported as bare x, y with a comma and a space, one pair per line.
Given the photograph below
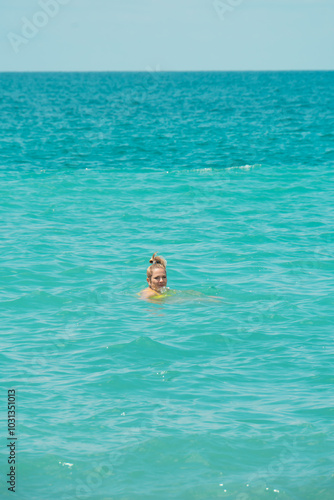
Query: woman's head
156, 272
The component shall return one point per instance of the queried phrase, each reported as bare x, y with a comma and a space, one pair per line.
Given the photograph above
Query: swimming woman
156, 277
157, 281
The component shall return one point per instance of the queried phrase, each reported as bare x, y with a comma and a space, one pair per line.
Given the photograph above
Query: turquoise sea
229, 176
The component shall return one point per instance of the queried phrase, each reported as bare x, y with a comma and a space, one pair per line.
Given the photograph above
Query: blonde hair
156, 262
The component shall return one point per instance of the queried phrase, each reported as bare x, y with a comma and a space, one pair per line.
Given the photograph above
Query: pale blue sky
113, 35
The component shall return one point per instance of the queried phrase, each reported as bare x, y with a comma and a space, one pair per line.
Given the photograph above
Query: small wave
244, 167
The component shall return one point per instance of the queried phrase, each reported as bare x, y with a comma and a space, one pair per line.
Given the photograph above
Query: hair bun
158, 260
152, 260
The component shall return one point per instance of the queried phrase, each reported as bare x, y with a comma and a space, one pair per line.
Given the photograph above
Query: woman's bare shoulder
146, 293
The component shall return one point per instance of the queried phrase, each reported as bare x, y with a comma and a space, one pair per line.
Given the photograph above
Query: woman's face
158, 279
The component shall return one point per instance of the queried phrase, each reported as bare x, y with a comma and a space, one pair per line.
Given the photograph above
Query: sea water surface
230, 177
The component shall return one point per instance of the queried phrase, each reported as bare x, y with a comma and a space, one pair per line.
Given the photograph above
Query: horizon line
151, 70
